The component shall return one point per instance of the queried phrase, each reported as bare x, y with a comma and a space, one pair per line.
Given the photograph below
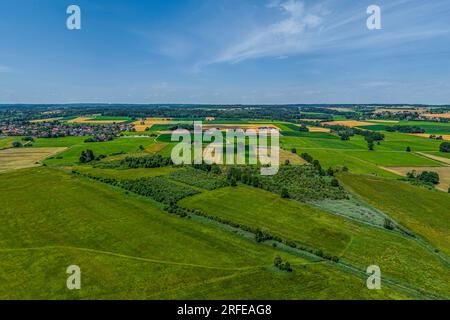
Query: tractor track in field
119, 255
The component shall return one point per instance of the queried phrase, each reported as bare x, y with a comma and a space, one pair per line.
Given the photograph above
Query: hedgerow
157, 188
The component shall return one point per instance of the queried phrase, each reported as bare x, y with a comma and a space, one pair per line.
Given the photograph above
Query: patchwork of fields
170, 232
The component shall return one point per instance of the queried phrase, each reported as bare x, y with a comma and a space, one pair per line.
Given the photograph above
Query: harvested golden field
319, 129
12, 159
444, 174
90, 121
350, 123
427, 135
156, 147
78, 120
437, 115
292, 157
141, 125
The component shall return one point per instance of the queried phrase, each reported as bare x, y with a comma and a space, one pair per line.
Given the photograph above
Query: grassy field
5, 142
429, 126
354, 154
122, 174
425, 212
128, 248
76, 145
400, 258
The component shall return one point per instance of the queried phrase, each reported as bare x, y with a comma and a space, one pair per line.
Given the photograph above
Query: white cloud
328, 27
287, 36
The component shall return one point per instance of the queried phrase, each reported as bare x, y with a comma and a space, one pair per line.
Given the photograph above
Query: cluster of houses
100, 132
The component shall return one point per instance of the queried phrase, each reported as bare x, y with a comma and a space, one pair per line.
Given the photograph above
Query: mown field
128, 248
19, 158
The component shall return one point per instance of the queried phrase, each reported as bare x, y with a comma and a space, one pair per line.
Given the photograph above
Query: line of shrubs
262, 235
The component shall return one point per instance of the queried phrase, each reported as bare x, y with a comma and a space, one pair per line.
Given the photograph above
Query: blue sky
225, 52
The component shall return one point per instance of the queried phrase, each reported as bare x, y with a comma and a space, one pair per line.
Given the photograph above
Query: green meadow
403, 260
426, 212
128, 248
430, 127
76, 145
5, 142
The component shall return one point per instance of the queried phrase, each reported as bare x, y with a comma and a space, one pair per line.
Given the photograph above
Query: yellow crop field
90, 121
12, 159
437, 115
319, 129
141, 125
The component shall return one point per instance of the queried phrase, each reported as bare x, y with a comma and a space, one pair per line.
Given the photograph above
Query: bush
445, 147
278, 263
87, 156
388, 224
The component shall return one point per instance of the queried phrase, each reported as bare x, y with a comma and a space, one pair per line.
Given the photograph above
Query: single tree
277, 261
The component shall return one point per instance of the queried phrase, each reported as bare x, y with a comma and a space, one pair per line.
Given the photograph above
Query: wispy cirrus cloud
287, 36
327, 26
